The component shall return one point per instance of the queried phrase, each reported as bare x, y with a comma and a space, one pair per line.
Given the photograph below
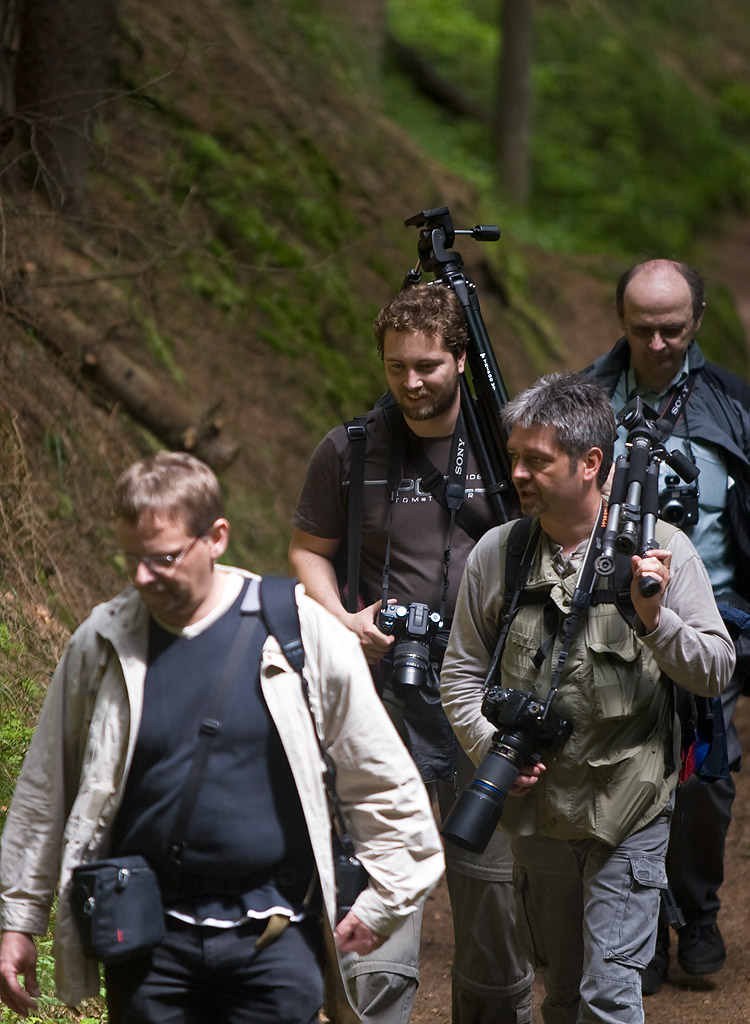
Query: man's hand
527, 777
18, 956
311, 560
354, 937
374, 643
655, 565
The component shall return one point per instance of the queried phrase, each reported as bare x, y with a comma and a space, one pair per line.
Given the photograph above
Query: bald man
660, 304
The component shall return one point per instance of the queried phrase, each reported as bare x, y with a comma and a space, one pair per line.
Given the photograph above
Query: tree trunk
513, 99
62, 72
364, 23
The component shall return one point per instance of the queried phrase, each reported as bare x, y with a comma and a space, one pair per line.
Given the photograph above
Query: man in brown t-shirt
413, 550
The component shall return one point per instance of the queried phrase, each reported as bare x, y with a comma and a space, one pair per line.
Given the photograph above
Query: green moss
162, 348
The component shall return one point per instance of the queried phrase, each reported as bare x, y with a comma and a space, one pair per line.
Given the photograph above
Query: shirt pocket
521, 646
621, 682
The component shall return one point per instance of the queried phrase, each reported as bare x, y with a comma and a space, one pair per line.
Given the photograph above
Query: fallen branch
148, 399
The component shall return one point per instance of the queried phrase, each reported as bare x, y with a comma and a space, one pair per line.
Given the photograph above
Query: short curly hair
433, 309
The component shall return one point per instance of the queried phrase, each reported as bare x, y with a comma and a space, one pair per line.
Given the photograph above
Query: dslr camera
526, 726
678, 505
414, 627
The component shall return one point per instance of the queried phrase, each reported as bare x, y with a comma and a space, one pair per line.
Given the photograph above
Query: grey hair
579, 410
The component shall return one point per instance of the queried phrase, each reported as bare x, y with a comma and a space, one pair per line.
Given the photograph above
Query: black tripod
634, 499
482, 400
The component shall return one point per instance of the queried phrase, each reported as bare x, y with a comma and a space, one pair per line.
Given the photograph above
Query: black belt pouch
117, 907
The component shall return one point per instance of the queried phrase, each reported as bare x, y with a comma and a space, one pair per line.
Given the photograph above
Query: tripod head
436, 237
482, 400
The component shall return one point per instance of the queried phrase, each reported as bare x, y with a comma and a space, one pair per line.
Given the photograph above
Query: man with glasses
704, 412
113, 752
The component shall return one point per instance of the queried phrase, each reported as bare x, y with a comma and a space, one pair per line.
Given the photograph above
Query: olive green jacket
616, 771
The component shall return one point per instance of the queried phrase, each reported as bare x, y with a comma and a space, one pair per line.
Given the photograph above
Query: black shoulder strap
519, 554
246, 647
281, 615
432, 479
278, 606
516, 568
357, 433
434, 482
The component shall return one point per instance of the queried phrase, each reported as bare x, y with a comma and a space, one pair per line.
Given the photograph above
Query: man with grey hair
246, 878
589, 825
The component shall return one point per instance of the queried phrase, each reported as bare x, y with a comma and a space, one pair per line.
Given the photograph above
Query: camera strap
432, 480
520, 550
676, 406
448, 492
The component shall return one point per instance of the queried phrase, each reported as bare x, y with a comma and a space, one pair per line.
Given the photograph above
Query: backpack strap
357, 433
278, 606
519, 554
246, 648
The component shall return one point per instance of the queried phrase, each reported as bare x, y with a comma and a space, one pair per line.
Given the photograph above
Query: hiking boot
700, 949
655, 973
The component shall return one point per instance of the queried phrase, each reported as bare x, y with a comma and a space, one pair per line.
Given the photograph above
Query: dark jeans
198, 975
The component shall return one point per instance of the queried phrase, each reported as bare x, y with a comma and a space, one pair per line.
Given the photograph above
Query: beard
439, 403
532, 506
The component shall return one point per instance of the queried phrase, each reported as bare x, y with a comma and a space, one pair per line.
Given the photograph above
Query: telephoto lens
477, 811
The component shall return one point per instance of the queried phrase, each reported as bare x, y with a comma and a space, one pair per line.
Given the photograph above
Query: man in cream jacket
111, 754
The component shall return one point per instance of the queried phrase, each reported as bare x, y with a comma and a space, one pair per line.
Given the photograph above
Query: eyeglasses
669, 332
156, 563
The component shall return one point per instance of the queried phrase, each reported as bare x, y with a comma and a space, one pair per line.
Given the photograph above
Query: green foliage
722, 335
636, 159
19, 695
632, 151
303, 302
466, 42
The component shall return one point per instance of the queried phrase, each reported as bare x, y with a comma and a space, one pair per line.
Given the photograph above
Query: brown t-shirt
420, 524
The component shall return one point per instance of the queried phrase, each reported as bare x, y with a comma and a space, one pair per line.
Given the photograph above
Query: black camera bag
117, 907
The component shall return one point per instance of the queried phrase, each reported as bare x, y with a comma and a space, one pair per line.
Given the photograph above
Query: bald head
660, 304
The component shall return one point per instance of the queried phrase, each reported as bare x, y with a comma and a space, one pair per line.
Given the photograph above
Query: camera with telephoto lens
678, 505
414, 627
526, 726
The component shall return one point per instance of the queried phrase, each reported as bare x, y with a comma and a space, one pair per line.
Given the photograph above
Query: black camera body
414, 627
526, 727
519, 710
678, 505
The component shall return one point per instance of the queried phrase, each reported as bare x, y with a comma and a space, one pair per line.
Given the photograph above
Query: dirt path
722, 998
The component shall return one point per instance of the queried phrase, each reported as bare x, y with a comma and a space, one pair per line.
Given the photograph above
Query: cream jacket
74, 776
